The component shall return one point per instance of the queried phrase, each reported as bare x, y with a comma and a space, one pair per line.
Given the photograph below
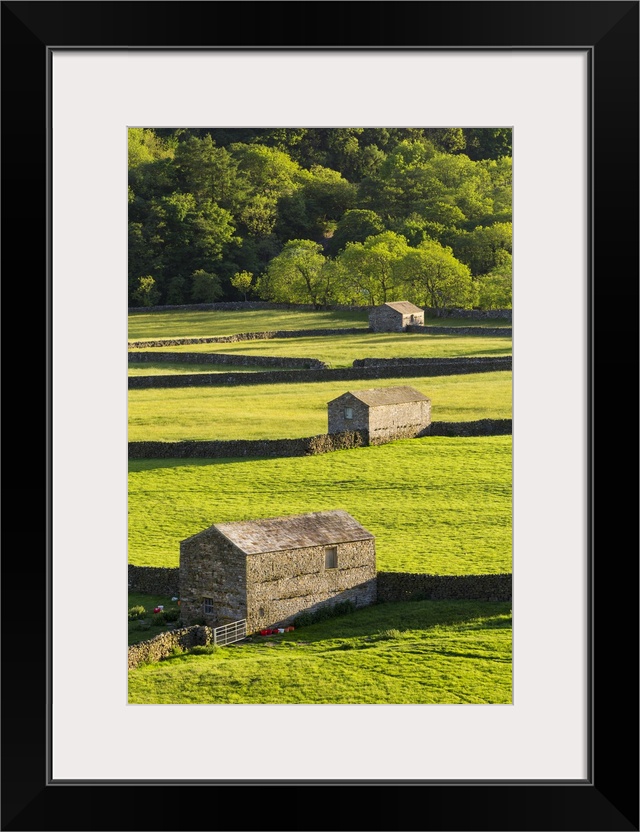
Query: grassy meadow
438, 505
288, 411
203, 324
342, 350
420, 652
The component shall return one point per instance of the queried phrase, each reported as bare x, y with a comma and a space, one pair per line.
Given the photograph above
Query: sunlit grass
281, 411
202, 324
164, 368
435, 505
185, 324
423, 652
342, 350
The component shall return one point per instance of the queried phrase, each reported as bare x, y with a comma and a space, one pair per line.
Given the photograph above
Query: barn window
207, 606
331, 557
348, 413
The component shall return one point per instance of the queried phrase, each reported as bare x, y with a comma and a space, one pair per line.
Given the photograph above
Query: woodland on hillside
320, 216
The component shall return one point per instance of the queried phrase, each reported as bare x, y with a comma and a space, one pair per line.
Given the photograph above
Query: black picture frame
608, 798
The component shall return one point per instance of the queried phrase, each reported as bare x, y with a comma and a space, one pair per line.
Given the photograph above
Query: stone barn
386, 413
268, 571
395, 317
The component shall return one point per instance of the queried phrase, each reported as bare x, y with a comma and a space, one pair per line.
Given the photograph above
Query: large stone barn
386, 413
268, 571
395, 316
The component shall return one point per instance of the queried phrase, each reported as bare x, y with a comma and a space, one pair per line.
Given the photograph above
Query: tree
296, 275
495, 287
205, 287
242, 282
370, 267
354, 227
433, 277
146, 293
482, 248
210, 173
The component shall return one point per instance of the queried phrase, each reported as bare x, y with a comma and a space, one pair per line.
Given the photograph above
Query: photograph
342, 479
319, 406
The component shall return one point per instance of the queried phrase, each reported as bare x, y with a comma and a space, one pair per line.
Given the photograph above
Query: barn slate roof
273, 534
404, 306
380, 396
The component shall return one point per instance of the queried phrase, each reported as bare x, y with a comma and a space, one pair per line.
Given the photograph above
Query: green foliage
146, 293
297, 275
136, 612
205, 287
242, 282
495, 287
229, 201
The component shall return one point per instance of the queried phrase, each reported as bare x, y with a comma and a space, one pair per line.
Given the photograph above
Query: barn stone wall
280, 585
211, 566
387, 319
398, 421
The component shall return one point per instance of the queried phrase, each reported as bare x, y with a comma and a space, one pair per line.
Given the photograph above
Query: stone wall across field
367, 368
231, 448
163, 645
247, 336
401, 586
307, 446
473, 314
489, 331
154, 580
139, 357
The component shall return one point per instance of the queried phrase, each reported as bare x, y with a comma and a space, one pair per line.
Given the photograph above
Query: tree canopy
320, 215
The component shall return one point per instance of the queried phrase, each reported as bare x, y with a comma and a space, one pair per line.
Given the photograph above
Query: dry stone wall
505, 331
363, 369
153, 580
309, 446
400, 586
163, 645
137, 357
247, 336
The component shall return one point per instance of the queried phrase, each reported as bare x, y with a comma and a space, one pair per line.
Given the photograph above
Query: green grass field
342, 350
435, 505
421, 652
286, 411
202, 324
169, 368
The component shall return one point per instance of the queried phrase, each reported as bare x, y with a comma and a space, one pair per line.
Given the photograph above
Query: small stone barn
268, 571
395, 317
386, 413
